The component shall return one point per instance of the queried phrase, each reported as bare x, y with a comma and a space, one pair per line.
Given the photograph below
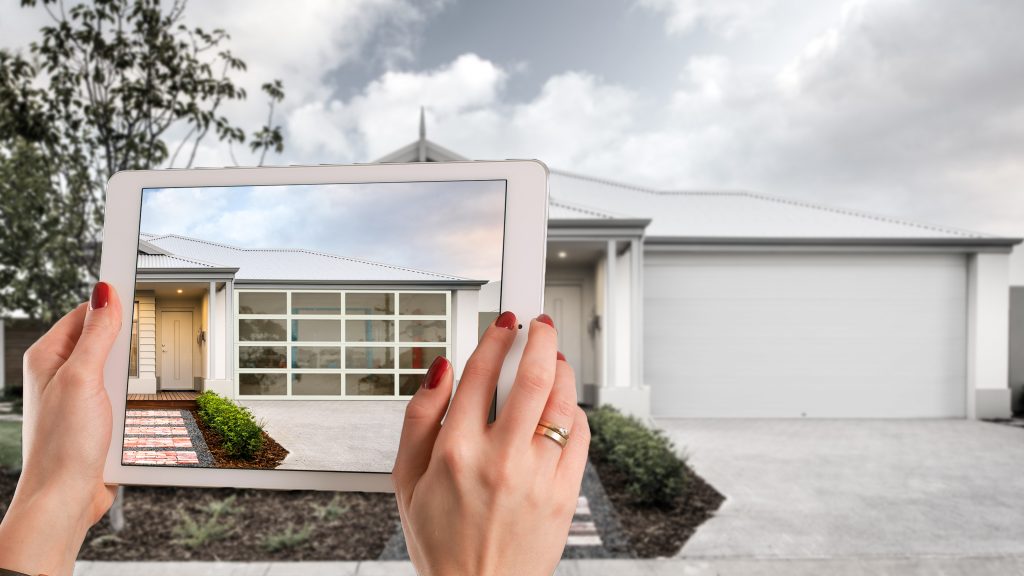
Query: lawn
10, 445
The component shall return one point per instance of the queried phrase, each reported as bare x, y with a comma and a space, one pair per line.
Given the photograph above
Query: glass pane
261, 303
133, 351
262, 385
369, 357
370, 384
262, 330
419, 304
316, 357
418, 358
369, 331
421, 330
316, 331
369, 303
262, 357
316, 303
409, 383
316, 385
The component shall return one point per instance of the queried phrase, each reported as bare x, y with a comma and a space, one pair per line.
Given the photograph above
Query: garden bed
270, 455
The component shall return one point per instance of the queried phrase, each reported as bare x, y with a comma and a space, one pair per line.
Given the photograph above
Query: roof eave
978, 242
296, 282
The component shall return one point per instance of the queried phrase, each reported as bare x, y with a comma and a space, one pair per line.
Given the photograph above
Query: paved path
857, 488
163, 438
993, 566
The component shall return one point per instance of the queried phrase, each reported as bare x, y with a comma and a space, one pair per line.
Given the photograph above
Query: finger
574, 457
534, 380
422, 423
47, 354
560, 409
99, 330
473, 397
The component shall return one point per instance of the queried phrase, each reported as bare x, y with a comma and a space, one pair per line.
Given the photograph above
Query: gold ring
563, 432
545, 431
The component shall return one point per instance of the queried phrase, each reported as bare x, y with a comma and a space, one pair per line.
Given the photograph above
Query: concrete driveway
857, 488
341, 435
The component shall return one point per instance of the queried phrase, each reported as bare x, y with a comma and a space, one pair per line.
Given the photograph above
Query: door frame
159, 342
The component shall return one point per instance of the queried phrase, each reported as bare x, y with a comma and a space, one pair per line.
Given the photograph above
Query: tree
100, 92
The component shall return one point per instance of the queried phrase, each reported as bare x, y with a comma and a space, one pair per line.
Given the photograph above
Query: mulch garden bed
268, 458
659, 531
335, 526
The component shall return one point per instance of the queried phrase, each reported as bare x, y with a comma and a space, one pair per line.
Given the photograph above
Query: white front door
176, 351
564, 305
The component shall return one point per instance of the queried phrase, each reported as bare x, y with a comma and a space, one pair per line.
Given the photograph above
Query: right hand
486, 499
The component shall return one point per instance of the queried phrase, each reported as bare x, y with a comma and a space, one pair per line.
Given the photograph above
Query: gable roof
281, 265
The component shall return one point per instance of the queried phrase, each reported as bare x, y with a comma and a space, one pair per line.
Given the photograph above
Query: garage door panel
723, 345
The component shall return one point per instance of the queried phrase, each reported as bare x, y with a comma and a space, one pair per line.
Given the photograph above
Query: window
133, 354
359, 344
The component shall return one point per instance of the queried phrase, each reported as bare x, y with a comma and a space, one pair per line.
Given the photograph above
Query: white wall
465, 318
146, 382
988, 347
622, 339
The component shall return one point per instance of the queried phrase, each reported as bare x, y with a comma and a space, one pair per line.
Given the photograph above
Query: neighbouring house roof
257, 265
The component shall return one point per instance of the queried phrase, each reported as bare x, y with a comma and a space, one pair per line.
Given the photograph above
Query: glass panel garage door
329, 344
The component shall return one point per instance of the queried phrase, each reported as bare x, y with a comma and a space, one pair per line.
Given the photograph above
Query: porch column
636, 316
211, 323
988, 334
608, 329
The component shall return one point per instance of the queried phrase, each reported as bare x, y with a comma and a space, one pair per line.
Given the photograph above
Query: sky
391, 223
907, 108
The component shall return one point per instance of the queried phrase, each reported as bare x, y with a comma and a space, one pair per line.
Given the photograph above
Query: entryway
176, 351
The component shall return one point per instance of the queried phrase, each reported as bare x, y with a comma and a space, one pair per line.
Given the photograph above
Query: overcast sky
453, 228
911, 108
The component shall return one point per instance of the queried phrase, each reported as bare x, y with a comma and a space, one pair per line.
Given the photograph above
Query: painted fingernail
546, 319
506, 320
561, 356
433, 376
100, 296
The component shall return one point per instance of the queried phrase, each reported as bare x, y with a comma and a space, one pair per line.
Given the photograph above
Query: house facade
734, 304
281, 324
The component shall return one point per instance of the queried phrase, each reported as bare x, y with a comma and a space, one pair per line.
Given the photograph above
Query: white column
465, 327
637, 301
608, 327
211, 323
988, 332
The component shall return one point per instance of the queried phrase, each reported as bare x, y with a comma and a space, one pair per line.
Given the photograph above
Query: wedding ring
563, 432
545, 431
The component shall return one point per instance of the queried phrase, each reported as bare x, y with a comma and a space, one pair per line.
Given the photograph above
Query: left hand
66, 434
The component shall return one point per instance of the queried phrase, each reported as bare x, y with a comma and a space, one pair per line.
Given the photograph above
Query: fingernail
561, 356
546, 319
100, 296
433, 376
506, 320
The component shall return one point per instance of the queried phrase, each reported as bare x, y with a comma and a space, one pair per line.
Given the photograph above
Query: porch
184, 399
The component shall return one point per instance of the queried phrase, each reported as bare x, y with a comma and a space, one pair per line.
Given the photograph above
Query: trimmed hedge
240, 434
655, 475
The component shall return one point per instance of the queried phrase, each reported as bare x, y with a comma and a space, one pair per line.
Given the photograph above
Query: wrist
42, 531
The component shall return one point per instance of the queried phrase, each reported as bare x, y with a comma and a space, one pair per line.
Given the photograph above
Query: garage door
791, 335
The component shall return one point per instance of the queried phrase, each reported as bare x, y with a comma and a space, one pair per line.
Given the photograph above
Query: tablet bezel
522, 289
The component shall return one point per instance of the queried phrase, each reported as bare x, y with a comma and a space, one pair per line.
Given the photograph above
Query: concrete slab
857, 488
342, 435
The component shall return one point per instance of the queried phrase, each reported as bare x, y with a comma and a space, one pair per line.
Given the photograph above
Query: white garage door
791, 335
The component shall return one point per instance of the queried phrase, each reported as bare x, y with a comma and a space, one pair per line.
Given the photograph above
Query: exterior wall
146, 383
220, 341
465, 318
1017, 348
988, 355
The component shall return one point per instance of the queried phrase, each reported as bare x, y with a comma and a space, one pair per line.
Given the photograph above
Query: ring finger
560, 410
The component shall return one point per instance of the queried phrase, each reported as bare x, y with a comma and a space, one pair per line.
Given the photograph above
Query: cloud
726, 17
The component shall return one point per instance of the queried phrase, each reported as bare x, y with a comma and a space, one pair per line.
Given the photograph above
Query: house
284, 324
735, 304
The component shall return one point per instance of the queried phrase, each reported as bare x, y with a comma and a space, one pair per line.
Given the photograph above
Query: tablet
277, 320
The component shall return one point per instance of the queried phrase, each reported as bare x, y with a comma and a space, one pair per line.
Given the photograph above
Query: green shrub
331, 510
241, 435
654, 474
288, 538
193, 533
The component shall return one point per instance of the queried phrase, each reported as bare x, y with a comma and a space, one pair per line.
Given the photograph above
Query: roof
279, 265
734, 215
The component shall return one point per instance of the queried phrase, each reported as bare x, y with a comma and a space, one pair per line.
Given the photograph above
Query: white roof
276, 265
726, 214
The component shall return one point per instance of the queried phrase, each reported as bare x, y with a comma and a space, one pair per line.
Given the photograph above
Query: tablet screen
286, 327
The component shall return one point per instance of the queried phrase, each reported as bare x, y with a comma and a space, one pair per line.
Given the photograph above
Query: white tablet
309, 301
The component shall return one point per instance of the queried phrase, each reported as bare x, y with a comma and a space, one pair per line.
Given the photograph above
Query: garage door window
338, 344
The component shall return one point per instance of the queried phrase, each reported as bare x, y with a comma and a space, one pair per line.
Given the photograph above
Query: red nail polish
546, 319
100, 296
506, 320
561, 357
433, 376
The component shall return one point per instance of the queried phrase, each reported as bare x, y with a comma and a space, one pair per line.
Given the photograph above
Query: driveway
342, 435
857, 488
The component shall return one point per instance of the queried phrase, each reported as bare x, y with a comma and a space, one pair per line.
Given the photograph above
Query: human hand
479, 499
66, 434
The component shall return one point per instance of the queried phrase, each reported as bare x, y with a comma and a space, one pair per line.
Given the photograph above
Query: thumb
99, 330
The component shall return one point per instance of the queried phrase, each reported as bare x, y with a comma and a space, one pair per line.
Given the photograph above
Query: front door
176, 351
564, 304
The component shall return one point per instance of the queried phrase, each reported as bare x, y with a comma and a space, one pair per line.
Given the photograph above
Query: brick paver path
157, 438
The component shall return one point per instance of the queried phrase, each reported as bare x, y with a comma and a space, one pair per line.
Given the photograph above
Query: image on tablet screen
286, 327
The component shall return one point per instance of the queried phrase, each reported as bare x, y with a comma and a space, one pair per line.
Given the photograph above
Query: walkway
164, 438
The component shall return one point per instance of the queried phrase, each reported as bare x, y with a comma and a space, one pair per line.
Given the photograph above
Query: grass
10, 445
286, 539
331, 510
196, 533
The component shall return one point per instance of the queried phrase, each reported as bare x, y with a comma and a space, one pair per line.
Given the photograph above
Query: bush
193, 533
241, 436
287, 539
654, 474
